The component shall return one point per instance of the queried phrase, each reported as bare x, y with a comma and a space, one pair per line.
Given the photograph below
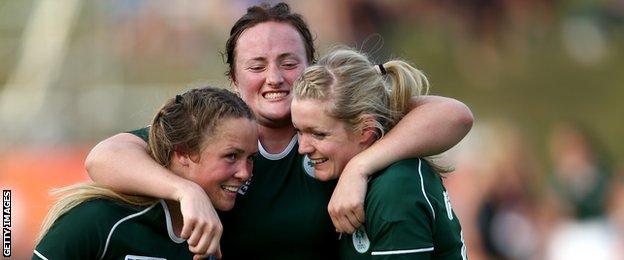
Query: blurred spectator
506, 216
495, 191
581, 185
580, 171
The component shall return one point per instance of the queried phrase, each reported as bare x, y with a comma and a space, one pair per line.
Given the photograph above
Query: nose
243, 172
274, 77
305, 147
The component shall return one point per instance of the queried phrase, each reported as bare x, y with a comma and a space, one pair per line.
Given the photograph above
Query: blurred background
538, 177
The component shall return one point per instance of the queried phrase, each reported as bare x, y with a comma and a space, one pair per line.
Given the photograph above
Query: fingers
219, 255
213, 248
204, 239
347, 219
187, 228
353, 222
347, 224
195, 236
202, 245
359, 214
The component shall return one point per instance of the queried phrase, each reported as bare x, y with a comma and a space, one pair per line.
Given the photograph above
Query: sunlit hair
182, 124
267, 13
355, 90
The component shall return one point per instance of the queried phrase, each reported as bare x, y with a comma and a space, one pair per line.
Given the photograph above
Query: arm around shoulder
123, 164
433, 125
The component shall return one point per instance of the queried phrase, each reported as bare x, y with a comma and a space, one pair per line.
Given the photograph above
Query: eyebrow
281, 56
313, 129
241, 151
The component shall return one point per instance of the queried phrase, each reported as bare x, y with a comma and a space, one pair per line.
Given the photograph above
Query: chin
323, 176
224, 205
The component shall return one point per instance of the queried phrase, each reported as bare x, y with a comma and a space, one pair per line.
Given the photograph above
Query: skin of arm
123, 164
433, 125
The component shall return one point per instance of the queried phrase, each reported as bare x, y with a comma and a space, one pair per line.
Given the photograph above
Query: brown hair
266, 13
184, 122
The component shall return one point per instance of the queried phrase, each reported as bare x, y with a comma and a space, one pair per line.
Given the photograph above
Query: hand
202, 227
208, 257
346, 207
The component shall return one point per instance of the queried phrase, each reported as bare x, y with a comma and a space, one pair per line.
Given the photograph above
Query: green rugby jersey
408, 216
281, 212
107, 229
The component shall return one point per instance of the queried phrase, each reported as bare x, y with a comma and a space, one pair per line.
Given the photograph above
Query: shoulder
83, 230
97, 212
400, 188
142, 133
400, 176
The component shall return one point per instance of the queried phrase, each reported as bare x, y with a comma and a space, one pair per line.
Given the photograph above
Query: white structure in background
43, 50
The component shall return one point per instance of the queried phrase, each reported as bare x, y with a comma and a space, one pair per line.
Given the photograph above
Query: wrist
360, 166
182, 187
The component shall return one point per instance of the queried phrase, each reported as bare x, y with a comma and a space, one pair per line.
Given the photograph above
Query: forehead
239, 132
312, 113
269, 39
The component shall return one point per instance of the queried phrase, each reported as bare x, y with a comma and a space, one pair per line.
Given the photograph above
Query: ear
182, 159
368, 132
234, 84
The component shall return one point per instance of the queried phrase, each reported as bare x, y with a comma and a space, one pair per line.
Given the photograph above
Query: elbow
94, 160
466, 118
462, 119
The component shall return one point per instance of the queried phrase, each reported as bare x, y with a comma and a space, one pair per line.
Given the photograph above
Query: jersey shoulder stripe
40, 255
172, 236
422, 187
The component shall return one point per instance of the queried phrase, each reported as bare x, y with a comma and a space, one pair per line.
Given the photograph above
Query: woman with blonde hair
342, 106
207, 136
267, 50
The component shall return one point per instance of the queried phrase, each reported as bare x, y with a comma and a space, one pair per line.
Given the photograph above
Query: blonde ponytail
358, 89
71, 196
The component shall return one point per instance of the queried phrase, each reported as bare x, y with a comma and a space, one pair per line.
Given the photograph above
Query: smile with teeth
274, 95
230, 188
314, 162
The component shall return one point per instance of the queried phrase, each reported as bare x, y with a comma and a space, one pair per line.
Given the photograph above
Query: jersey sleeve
401, 218
142, 133
78, 234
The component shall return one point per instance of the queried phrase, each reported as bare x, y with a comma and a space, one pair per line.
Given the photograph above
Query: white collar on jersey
277, 156
172, 235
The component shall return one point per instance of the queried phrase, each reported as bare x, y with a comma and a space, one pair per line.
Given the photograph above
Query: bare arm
434, 125
122, 163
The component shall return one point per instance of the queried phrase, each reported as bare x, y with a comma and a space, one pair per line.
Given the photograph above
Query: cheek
292, 75
209, 177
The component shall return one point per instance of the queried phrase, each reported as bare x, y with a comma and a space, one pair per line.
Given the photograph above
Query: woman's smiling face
225, 161
269, 57
324, 139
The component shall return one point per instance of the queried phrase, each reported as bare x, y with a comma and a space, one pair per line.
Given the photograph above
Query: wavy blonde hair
359, 89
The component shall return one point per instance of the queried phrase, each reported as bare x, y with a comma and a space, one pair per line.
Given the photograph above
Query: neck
275, 140
176, 216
